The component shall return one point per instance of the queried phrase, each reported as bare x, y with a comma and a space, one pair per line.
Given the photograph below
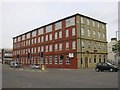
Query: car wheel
97, 70
111, 70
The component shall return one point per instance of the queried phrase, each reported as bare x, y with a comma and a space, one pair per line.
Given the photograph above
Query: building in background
0, 56
6, 55
112, 57
76, 41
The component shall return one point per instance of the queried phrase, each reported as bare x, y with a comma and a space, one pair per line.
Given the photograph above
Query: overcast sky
18, 18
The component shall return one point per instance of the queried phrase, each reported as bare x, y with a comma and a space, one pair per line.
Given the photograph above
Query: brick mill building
76, 41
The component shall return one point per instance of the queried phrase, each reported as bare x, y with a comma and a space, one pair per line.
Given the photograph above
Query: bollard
43, 67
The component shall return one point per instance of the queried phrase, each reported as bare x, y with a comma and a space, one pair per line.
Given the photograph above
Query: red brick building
57, 41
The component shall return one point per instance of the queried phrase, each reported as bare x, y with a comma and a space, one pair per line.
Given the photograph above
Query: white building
112, 57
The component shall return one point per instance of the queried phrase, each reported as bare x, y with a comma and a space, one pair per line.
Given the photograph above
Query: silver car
35, 66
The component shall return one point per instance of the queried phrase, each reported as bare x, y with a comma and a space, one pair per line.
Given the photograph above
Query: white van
14, 64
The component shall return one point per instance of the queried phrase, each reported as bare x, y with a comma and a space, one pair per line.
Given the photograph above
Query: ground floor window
67, 59
56, 59
50, 60
46, 60
61, 61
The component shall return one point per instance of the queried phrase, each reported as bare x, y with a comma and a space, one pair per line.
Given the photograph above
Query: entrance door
86, 62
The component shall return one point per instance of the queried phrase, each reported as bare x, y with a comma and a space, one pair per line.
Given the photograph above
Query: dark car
106, 66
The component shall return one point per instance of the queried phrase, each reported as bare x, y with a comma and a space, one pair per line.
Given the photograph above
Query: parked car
15, 64
106, 66
35, 66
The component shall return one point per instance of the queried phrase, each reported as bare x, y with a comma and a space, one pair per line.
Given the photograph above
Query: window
93, 23
103, 27
33, 33
94, 58
104, 47
98, 35
46, 48
56, 60
73, 45
67, 33
56, 35
19, 39
23, 37
56, 47
40, 31
50, 47
50, 60
82, 32
61, 61
70, 22
95, 45
73, 31
42, 39
82, 20
60, 47
88, 22
46, 37
50, 36
99, 46
46, 60
89, 45
88, 32
94, 34
38, 49
60, 34
49, 28
28, 35
98, 25
14, 40
42, 49
103, 36
67, 46
38, 39
58, 25
83, 44
67, 59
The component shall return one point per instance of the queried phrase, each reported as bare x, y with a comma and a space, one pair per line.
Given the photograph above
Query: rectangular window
38, 49
38, 39
56, 60
67, 59
95, 46
98, 35
58, 25
93, 23
50, 48
56, 47
50, 60
74, 45
82, 32
61, 61
46, 60
50, 36
94, 34
40, 31
82, 20
49, 28
60, 47
42, 49
46, 48
70, 22
56, 35
67, 33
89, 33
98, 25
73, 32
103, 27
88, 22
28, 35
14, 40
23, 37
46, 37
19, 38
33, 33
67, 46
89, 45
60, 34
42, 39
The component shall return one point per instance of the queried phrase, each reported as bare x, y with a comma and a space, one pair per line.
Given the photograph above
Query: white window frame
50, 37
23, 37
46, 37
34, 33
60, 34
74, 45
49, 28
58, 25
28, 35
40, 31
70, 22
67, 33
42, 38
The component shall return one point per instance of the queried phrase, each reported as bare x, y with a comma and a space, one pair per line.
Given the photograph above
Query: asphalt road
57, 78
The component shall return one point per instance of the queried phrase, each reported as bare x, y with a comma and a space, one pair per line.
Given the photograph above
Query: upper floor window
73, 45
38, 39
49, 28
83, 44
56, 47
67, 45
56, 35
93, 23
88, 22
73, 31
60, 46
42, 39
98, 25
23, 37
94, 34
103, 36
67, 33
46, 48
82, 32
98, 35
50, 37
14, 40
58, 25
70, 21
60, 34
82, 20
42, 49
89, 33
33, 33
89, 45
95, 45
28, 35
19, 38
50, 48
46, 37
38, 49
40, 31
99, 46
103, 26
